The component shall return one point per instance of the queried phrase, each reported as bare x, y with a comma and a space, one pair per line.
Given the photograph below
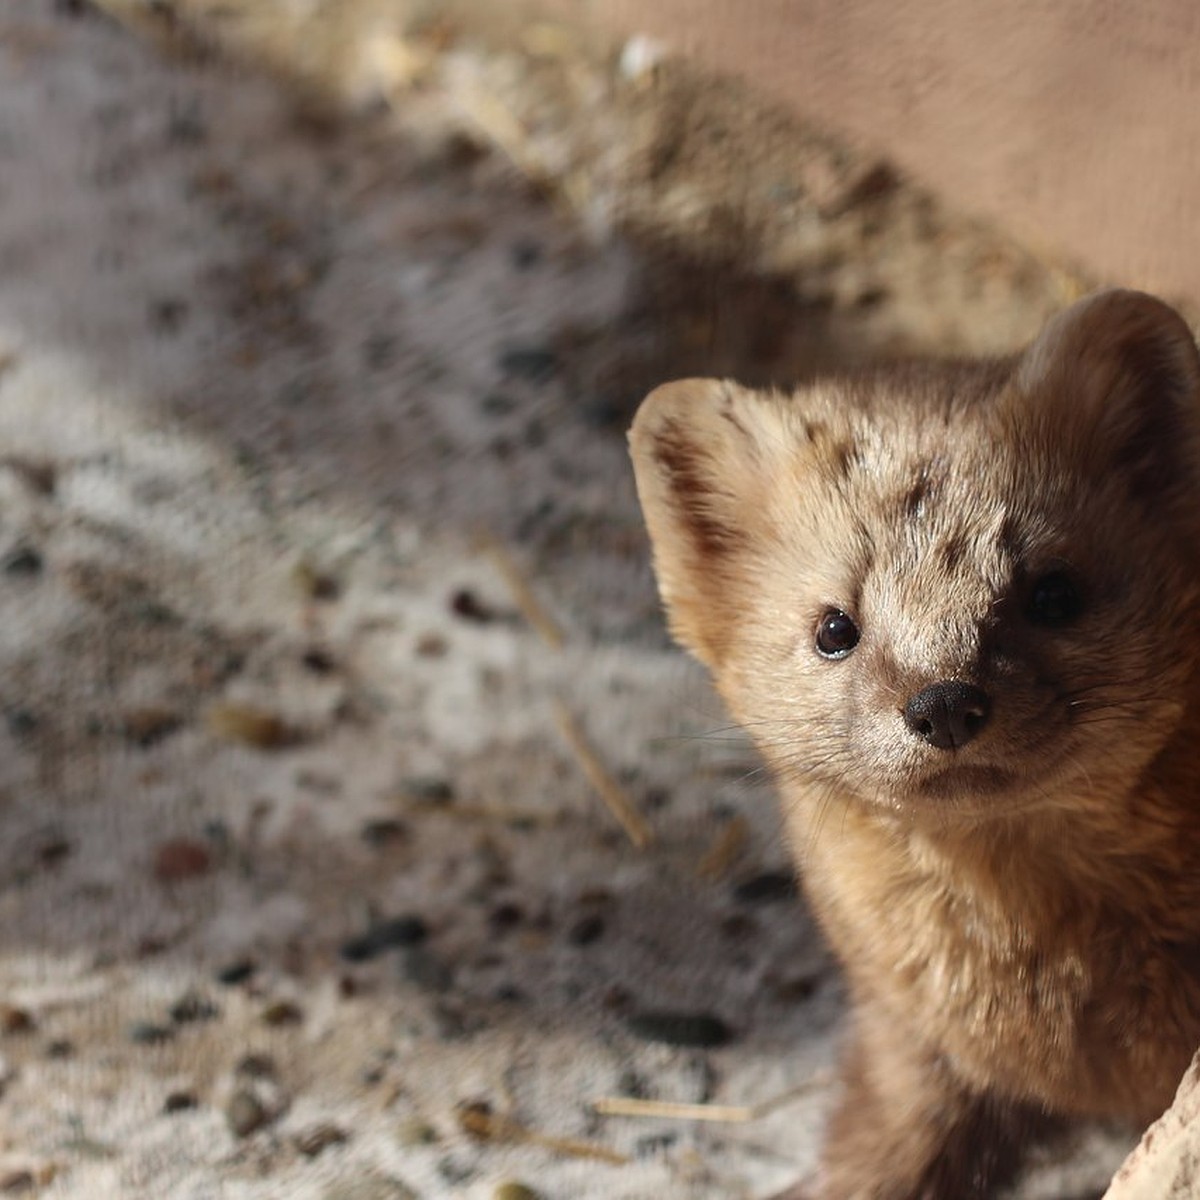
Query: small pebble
586, 930
282, 1012
505, 916
256, 1066
22, 562
466, 604
147, 1033
525, 253
192, 1006
249, 725
237, 972
17, 1182
167, 314
739, 926
16, 1020
180, 859
38, 475
616, 999
310, 1142
386, 831
534, 363
510, 1190
315, 584
432, 645
52, 851
318, 661
427, 790
680, 1029
21, 721
60, 1048
154, 612
385, 935
245, 1114
767, 888
801, 987
416, 1132
177, 1102
654, 1144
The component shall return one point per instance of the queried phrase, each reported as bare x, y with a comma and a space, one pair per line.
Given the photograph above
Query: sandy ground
303, 887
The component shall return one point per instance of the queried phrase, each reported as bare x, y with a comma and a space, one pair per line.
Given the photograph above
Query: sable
958, 608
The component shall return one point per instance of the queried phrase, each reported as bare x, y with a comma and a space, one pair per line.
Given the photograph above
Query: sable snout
948, 714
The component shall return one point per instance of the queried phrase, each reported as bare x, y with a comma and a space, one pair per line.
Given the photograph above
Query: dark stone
147, 1033
256, 1066
505, 916
21, 721
680, 1029
384, 832
586, 930
167, 315
318, 662
177, 1102
769, 887
237, 972
466, 604
385, 935
24, 561
801, 987
193, 1007
654, 1144
427, 789
525, 253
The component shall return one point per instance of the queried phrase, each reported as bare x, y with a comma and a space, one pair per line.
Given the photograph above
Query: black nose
947, 714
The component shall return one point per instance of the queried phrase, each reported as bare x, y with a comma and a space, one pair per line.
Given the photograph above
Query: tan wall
1075, 124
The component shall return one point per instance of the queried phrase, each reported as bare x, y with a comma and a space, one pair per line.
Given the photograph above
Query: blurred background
363, 836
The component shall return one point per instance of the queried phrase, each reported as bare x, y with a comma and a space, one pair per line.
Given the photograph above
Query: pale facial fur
956, 606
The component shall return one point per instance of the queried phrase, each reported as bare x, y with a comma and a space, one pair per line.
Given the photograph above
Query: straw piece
476, 1120
611, 792
726, 847
737, 1114
531, 607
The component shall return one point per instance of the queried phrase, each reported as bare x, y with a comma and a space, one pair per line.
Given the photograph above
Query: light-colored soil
285, 400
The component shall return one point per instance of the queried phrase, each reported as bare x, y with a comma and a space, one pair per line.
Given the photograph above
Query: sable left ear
1117, 376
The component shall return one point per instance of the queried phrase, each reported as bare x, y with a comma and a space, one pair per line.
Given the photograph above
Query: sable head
970, 585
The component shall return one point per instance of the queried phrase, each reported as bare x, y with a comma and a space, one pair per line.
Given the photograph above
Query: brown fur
1018, 917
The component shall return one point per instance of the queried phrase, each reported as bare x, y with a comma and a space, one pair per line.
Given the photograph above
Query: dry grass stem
736, 1114
726, 847
611, 792
531, 607
493, 1127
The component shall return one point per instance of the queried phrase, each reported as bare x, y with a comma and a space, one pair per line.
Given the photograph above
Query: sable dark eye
1054, 600
837, 634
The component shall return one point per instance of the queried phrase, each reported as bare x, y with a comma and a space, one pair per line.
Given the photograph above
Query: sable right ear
701, 450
